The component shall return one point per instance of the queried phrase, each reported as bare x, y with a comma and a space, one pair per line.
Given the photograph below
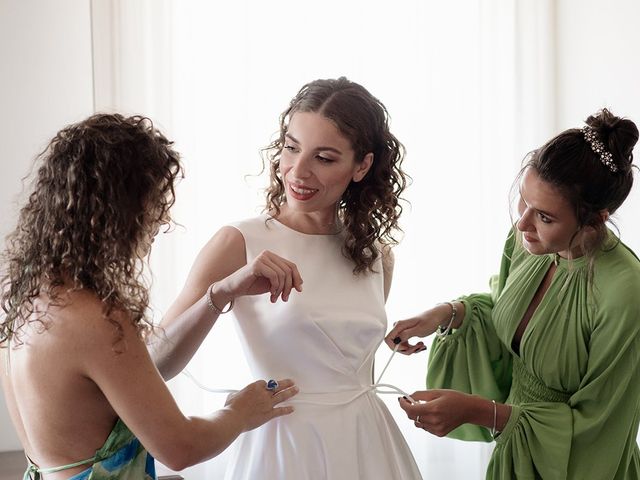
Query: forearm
197, 439
215, 433
178, 337
441, 316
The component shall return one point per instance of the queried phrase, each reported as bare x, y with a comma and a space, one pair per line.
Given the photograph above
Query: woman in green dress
548, 362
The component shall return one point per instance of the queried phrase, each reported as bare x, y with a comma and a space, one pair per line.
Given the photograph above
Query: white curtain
470, 88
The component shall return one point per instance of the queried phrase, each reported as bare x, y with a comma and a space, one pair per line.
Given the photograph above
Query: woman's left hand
439, 411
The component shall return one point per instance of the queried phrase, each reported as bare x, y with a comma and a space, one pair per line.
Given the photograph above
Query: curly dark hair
103, 188
369, 209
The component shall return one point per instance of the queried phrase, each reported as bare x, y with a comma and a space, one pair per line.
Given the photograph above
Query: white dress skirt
323, 338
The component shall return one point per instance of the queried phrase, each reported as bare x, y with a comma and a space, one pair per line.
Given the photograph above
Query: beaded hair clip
598, 148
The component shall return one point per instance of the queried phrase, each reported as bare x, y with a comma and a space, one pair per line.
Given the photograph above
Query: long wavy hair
369, 210
103, 188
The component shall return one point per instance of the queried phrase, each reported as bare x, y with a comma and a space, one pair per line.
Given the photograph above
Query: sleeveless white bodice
324, 338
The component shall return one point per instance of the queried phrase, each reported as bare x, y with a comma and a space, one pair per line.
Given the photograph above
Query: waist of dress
526, 387
341, 397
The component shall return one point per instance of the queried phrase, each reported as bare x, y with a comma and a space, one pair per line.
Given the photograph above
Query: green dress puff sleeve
472, 359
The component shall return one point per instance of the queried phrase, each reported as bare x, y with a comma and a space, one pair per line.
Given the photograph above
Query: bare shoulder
82, 304
388, 261
72, 326
222, 255
71, 313
82, 321
388, 258
229, 242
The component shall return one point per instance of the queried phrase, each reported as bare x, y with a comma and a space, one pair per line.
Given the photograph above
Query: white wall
45, 83
599, 66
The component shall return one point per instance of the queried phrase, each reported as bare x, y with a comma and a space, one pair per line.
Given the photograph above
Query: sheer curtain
470, 88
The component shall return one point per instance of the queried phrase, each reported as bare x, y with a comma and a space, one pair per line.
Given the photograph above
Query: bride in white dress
322, 254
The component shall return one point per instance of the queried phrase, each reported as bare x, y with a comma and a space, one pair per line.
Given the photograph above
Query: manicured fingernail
397, 340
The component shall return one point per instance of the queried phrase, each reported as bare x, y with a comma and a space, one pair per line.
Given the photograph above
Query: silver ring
272, 385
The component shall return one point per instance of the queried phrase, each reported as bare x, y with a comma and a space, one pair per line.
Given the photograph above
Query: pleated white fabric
325, 339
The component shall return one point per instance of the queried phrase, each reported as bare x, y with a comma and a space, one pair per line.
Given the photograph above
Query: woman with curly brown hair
80, 385
332, 209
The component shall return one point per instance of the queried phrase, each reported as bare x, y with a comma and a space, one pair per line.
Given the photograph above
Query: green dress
574, 387
122, 457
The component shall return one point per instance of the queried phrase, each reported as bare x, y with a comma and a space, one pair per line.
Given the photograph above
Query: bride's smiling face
318, 163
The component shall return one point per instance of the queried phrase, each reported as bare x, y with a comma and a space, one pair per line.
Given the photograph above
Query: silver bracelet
440, 332
212, 305
495, 418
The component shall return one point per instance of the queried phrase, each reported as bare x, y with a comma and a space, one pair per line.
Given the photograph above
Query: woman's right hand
268, 272
255, 405
421, 326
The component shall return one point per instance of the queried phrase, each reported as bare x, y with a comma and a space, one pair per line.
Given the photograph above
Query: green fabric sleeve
605, 408
473, 359
535, 443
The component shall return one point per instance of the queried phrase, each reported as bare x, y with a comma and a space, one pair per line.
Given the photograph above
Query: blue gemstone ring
272, 385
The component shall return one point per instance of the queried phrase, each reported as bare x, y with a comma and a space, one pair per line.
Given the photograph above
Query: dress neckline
568, 263
270, 218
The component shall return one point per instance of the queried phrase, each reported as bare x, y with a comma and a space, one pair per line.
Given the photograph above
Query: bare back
49, 396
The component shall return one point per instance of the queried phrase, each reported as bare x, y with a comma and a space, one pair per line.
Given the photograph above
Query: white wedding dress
323, 338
